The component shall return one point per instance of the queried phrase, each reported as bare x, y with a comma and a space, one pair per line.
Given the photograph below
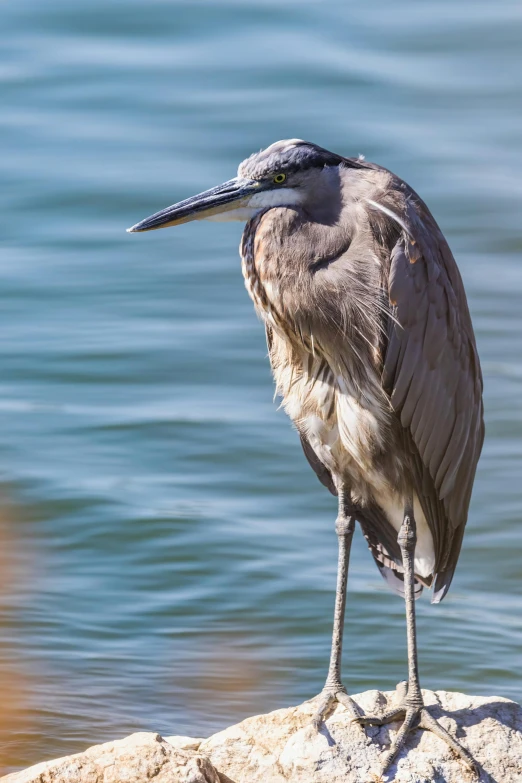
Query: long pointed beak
233, 194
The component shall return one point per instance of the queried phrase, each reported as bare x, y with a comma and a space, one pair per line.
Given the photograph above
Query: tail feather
395, 580
382, 543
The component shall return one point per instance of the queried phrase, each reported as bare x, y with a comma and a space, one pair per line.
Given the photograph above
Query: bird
373, 354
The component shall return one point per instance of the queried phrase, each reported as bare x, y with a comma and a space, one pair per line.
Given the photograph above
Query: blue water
167, 557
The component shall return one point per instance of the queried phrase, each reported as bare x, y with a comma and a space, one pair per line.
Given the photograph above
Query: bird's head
283, 174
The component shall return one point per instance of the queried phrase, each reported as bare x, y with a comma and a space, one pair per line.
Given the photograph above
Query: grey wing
432, 375
321, 471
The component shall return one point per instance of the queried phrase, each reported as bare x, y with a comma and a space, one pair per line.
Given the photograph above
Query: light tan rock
184, 743
136, 759
282, 747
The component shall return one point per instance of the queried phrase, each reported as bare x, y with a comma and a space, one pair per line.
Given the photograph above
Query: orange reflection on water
15, 714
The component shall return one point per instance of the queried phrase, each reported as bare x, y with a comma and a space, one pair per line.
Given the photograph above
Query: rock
185, 743
282, 747
136, 759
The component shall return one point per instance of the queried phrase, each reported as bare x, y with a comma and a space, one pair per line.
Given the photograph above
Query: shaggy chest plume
339, 407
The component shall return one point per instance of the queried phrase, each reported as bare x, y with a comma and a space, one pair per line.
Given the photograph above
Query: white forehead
283, 146
290, 154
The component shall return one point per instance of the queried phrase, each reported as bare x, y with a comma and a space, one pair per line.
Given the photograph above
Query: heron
373, 354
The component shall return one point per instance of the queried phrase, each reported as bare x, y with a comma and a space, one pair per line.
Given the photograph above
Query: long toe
414, 718
325, 704
328, 699
347, 702
380, 720
428, 723
411, 721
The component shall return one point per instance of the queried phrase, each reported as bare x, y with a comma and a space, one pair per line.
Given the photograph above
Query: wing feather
432, 375
321, 471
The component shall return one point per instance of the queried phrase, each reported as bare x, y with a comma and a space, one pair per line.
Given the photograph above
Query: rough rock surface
282, 747
136, 759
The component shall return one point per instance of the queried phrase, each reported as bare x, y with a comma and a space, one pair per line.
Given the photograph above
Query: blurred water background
167, 557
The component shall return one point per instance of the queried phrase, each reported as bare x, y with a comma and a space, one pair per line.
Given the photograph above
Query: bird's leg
334, 689
411, 710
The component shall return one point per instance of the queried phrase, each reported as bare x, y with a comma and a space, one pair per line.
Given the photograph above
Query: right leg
334, 689
412, 710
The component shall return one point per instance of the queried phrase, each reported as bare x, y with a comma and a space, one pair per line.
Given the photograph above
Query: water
168, 558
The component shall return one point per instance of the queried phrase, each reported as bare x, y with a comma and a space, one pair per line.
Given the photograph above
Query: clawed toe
328, 698
326, 702
413, 717
428, 723
381, 720
347, 702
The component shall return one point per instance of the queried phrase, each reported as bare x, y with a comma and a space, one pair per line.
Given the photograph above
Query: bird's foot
414, 715
329, 696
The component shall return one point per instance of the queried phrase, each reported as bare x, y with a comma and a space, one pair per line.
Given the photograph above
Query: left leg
334, 690
412, 710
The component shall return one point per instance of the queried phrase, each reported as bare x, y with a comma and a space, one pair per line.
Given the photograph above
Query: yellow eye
279, 178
